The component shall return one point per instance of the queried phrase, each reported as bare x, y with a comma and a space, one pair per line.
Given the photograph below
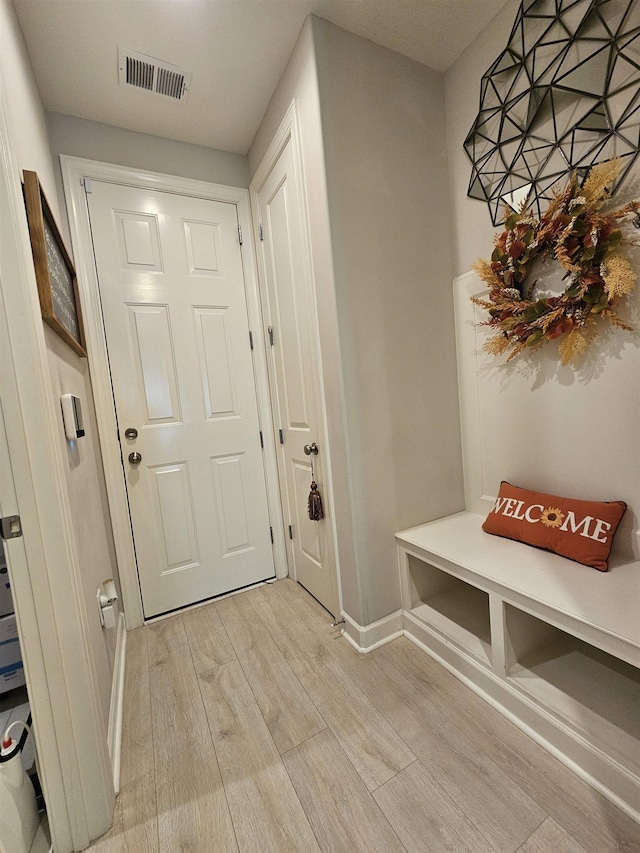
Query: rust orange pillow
580, 530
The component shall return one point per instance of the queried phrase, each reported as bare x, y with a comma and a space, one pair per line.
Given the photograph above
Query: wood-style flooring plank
373, 747
595, 823
497, 807
138, 816
266, 812
489, 798
208, 640
110, 842
192, 808
550, 837
298, 597
287, 709
342, 812
448, 726
113, 840
136, 754
425, 817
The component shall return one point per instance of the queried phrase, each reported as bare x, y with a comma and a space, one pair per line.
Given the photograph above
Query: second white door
175, 313
289, 306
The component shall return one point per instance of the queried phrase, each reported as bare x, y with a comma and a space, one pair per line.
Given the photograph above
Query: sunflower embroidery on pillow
552, 517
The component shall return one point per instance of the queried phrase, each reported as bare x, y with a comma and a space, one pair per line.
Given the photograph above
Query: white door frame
289, 129
75, 171
43, 564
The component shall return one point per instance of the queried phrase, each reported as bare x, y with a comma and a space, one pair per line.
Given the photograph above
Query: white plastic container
18, 810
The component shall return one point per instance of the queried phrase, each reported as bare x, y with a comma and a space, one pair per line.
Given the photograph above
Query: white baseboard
367, 638
116, 708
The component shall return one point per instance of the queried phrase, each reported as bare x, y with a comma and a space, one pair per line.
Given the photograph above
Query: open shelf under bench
553, 644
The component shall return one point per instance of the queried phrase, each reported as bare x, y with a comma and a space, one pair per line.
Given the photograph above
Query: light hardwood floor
251, 726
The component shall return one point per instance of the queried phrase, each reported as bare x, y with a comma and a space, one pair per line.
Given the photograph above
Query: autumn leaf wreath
586, 242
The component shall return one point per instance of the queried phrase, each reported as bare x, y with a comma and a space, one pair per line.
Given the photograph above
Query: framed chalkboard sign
55, 275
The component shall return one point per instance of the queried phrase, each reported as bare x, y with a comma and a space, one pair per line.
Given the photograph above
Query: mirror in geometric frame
563, 96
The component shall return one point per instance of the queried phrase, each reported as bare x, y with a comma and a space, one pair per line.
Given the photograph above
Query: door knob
135, 458
131, 433
311, 448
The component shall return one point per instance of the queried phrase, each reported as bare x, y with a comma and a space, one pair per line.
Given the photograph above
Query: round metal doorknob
311, 448
131, 433
135, 458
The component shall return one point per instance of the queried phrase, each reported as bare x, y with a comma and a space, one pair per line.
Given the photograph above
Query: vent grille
152, 75
169, 83
139, 73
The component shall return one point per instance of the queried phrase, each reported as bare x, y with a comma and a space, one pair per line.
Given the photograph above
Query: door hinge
281, 434
86, 183
251, 339
240, 234
261, 440
290, 532
270, 331
271, 534
10, 527
260, 234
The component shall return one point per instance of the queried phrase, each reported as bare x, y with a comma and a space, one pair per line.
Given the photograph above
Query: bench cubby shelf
552, 644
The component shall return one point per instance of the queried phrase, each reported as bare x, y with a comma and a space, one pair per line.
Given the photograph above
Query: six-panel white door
289, 305
173, 297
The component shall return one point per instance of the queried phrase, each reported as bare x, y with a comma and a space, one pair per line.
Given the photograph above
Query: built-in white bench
552, 644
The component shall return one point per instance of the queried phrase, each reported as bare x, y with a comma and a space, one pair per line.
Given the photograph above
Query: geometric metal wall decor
563, 95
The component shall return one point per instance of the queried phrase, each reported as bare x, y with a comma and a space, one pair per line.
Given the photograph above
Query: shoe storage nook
552, 644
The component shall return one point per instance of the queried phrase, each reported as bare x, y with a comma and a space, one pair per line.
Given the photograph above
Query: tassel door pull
314, 502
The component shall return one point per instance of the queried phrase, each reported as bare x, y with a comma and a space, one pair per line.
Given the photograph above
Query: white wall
568, 431
69, 373
385, 153
107, 144
472, 227
88, 501
24, 107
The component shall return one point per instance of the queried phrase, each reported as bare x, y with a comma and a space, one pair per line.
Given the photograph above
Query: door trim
45, 571
74, 171
289, 129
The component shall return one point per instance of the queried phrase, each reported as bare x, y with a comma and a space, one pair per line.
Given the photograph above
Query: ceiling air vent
154, 75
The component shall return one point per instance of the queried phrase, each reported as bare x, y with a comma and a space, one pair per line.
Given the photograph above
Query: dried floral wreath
586, 243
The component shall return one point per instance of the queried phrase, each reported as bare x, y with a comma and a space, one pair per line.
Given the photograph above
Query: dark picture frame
55, 273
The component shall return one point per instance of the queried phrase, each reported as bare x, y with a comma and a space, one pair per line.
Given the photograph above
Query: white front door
289, 305
174, 305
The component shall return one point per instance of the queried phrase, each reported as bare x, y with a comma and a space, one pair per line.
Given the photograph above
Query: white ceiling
236, 49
